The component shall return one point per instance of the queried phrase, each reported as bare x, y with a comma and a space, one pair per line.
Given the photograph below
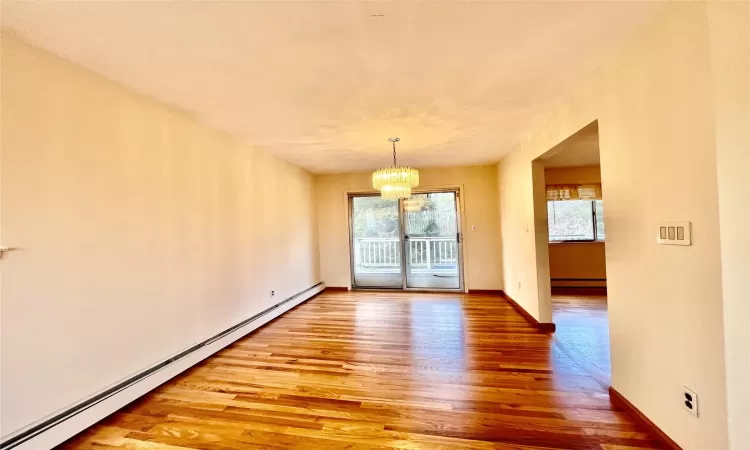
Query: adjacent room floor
583, 332
380, 370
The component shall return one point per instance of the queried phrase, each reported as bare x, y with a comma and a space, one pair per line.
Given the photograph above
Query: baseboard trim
545, 327
619, 401
57, 428
487, 291
337, 288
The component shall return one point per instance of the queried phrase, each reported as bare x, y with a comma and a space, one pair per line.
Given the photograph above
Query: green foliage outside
375, 217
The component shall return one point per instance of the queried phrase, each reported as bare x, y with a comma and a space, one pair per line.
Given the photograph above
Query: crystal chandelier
397, 181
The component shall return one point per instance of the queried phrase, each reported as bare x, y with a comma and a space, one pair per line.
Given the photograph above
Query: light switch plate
674, 233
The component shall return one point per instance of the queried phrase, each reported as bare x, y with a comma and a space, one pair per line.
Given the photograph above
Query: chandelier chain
394, 154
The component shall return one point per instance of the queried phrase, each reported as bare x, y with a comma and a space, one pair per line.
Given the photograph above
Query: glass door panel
376, 243
432, 241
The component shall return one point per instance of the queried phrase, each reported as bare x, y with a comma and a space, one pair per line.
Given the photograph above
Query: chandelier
397, 181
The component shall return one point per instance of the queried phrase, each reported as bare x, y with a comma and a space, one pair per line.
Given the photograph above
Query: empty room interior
369, 225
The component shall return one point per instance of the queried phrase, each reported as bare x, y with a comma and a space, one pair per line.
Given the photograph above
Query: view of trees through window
377, 217
575, 220
435, 215
376, 230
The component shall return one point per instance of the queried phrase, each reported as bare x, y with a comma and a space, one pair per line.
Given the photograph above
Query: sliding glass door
409, 244
432, 241
375, 242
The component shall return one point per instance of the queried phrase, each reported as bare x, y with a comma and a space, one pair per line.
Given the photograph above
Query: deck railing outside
426, 253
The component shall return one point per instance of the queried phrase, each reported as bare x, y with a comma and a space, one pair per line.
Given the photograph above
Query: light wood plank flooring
380, 370
583, 331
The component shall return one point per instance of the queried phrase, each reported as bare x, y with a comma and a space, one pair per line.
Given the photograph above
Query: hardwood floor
380, 370
583, 332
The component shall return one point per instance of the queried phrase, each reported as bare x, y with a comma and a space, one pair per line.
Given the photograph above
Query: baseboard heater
178, 362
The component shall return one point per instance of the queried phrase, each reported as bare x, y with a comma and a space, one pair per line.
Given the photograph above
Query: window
575, 220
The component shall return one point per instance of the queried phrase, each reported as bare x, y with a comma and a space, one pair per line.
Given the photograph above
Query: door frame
402, 240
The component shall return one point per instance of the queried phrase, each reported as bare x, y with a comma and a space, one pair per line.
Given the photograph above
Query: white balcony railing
425, 253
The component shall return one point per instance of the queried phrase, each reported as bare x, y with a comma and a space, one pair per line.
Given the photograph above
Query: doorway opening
413, 243
576, 243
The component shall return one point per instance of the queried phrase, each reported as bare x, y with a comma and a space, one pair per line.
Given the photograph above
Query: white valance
575, 192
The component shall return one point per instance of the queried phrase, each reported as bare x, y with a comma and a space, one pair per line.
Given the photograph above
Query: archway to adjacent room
571, 248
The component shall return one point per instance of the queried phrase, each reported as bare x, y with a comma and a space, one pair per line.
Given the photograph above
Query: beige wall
730, 62
655, 107
481, 247
577, 264
576, 260
141, 232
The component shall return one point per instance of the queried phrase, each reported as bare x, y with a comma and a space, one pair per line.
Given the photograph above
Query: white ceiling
324, 84
580, 149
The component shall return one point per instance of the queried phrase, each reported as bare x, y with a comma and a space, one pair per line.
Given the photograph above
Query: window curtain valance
575, 192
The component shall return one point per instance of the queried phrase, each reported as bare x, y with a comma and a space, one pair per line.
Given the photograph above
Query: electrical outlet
273, 293
519, 285
690, 401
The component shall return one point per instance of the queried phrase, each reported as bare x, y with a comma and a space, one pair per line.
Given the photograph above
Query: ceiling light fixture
397, 181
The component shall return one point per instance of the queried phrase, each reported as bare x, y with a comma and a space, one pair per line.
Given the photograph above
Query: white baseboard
81, 418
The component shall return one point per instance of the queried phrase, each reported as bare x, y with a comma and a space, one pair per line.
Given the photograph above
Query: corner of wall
541, 244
